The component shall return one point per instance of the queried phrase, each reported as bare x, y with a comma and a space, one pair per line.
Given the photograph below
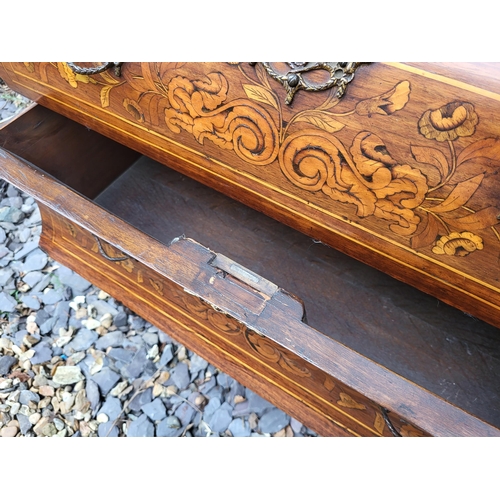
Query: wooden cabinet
408, 152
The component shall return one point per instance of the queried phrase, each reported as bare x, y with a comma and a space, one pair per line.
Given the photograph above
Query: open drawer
375, 356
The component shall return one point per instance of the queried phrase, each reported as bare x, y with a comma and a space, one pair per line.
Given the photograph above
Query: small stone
74, 281
166, 356
295, 425
169, 427
35, 261
221, 418
112, 408
111, 339
82, 341
142, 427
102, 295
273, 421
104, 430
119, 388
93, 394
7, 303
91, 323
11, 214
59, 424
150, 338
180, 376
106, 379
141, 399
170, 391
136, 366
198, 363
9, 432
43, 353
24, 423
253, 421
6, 362
102, 418
34, 418
66, 375
238, 399
120, 319
26, 396
155, 410
239, 428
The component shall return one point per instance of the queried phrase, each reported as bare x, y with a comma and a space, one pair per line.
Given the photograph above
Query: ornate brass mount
341, 73
98, 69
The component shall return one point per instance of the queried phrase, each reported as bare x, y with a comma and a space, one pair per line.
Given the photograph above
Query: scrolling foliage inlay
426, 204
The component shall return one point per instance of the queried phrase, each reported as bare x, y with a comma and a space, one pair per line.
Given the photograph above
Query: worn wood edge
374, 381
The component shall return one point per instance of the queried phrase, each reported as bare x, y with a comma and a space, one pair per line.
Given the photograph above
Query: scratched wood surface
394, 321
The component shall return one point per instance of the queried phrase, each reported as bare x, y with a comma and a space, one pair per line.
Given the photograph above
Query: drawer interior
453, 355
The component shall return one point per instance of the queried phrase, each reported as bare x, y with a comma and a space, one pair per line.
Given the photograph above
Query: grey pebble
106, 379
137, 323
26, 249
166, 356
42, 284
120, 354
52, 296
74, 281
47, 325
141, 399
120, 319
136, 366
273, 421
81, 341
35, 261
110, 339
239, 428
112, 407
208, 385
11, 214
103, 430
198, 363
102, 307
295, 425
253, 404
213, 405
180, 376
221, 418
142, 427
26, 396
7, 303
5, 364
92, 390
185, 413
155, 410
169, 427
150, 338
5, 275
32, 278
24, 424
30, 301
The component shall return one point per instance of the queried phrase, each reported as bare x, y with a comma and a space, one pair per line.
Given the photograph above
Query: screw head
293, 79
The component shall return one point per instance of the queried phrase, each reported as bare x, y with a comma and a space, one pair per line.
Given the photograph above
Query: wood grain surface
270, 329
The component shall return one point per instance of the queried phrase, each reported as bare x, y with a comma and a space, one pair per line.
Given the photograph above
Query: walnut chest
392, 164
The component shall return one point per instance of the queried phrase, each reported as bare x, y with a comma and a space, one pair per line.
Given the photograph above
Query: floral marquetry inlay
420, 193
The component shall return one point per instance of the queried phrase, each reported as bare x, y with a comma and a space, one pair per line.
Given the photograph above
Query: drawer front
399, 173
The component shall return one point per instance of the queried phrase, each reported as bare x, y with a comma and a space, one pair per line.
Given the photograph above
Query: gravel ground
75, 362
